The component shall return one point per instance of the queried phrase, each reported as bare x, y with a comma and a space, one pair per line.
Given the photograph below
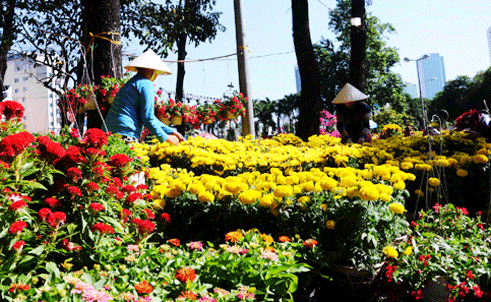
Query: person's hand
173, 139
178, 135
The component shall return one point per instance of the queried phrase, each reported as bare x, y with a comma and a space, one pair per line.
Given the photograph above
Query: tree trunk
309, 109
181, 56
101, 28
6, 40
358, 46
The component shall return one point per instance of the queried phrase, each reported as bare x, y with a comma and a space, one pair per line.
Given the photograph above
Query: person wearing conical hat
353, 115
133, 107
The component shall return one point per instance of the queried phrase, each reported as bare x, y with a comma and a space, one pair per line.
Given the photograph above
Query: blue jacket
133, 108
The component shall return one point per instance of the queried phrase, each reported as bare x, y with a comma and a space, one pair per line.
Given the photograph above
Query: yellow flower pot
176, 120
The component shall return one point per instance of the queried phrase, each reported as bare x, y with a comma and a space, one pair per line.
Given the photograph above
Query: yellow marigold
385, 197
369, 193
397, 208
173, 192
384, 189
330, 224
419, 193
390, 252
480, 159
249, 196
395, 177
196, 188
348, 181
423, 167
283, 191
433, 181
462, 173
308, 186
235, 187
266, 238
406, 165
266, 200
400, 185
408, 251
304, 199
328, 183
206, 196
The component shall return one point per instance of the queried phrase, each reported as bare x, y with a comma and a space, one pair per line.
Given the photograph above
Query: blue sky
454, 29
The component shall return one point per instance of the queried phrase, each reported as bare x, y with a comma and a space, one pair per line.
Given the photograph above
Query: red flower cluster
17, 205
52, 202
143, 226
472, 119
310, 243
102, 228
17, 227
56, 219
96, 207
185, 274
19, 286
49, 150
14, 144
11, 109
18, 245
95, 138
119, 160
70, 246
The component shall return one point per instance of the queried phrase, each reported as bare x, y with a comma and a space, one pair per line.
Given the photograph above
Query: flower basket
91, 103
164, 120
176, 120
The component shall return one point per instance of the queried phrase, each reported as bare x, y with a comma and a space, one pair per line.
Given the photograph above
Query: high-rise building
298, 81
411, 89
41, 113
488, 35
432, 75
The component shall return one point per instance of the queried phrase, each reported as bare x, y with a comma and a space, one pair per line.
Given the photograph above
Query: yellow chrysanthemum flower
249, 196
266, 200
283, 191
433, 181
462, 173
369, 193
397, 208
408, 251
304, 199
480, 159
390, 252
205, 196
330, 224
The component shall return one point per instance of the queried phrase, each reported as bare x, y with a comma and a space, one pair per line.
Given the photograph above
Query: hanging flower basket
91, 103
165, 120
176, 120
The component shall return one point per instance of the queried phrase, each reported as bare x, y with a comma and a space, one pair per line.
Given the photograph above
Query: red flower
389, 270
102, 228
125, 214
188, 295
143, 226
95, 138
48, 149
185, 274
134, 197
96, 207
166, 217
17, 227
52, 202
477, 291
144, 287
74, 191
19, 286
310, 243
72, 157
148, 213
284, 239
56, 219
463, 210
70, 246
128, 189
14, 144
12, 109
417, 294
470, 275
92, 186
17, 205
18, 245
120, 160
43, 213
74, 173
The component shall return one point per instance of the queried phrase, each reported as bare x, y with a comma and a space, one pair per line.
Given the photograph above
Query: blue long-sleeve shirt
133, 109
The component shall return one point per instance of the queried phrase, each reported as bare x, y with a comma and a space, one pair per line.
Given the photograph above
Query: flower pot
91, 103
110, 99
176, 120
231, 115
354, 281
165, 120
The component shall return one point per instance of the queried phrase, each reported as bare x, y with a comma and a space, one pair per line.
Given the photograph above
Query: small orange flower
174, 241
19, 286
144, 287
185, 274
188, 295
310, 243
234, 236
284, 239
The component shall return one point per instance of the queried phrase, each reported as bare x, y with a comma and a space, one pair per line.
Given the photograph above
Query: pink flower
70, 246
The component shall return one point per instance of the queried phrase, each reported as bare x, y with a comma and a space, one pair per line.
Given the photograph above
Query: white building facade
41, 113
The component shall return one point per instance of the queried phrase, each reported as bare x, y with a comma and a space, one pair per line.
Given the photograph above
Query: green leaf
38, 251
53, 269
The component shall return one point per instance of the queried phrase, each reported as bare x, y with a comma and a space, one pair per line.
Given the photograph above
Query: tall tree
7, 37
309, 111
101, 40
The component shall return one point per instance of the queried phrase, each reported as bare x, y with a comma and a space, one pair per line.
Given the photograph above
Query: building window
16, 80
16, 90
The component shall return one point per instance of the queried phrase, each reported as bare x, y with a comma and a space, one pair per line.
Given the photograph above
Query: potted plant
108, 88
444, 258
232, 107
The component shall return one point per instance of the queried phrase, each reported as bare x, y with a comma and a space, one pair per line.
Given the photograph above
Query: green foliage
387, 115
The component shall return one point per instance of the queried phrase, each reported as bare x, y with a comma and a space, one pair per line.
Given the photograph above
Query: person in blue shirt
353, 115
133, 107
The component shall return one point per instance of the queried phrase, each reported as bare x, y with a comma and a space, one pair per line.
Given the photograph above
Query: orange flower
234, 236
185, 274
310, 243
188, 295
144, 287
19, 286
284, 239
174, 241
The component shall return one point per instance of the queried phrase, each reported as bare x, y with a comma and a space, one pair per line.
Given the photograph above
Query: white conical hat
150, 60
349, 93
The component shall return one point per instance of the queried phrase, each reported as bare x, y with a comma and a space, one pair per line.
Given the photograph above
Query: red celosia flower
470, 275
186, 274
17, 227
477, 291
56, 219
102, 228
17, 205
18, 245
98, 171
52, 202
72, 157
417, 294
96, 207
166, 217
14, 144
144, 287
19, 286
49, 150
12, 109
95, 138
389, 271
117, 182
70, 246
74, 173
120, 160
92, 186
174, 241
134, 197
91, 152
128, 189
310, 243
463, 210
145, 226
125, 214
148, 213
74, 191
43, 213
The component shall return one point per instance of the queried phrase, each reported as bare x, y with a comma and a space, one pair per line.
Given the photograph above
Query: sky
454, 29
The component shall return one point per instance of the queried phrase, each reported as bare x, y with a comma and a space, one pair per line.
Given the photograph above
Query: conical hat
150, 60
349, 93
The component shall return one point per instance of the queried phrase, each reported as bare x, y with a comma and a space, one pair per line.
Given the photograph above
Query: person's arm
341, 126
365, 132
